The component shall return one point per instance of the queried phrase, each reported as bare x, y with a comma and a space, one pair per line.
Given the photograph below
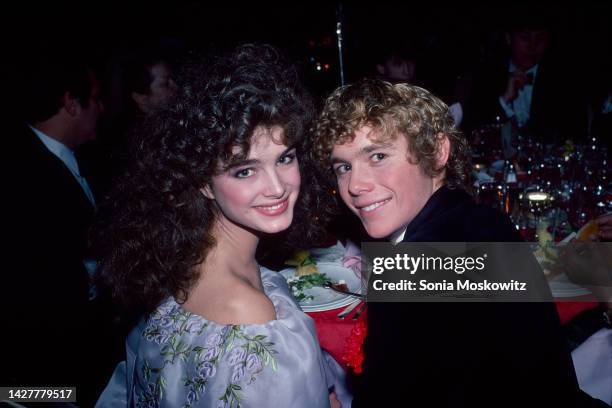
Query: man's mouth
371, 207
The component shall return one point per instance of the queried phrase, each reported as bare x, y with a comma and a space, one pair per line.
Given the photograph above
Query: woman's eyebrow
240, 163
251, 162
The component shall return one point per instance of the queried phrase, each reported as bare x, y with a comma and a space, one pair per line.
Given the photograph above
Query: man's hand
589, 264
516, 81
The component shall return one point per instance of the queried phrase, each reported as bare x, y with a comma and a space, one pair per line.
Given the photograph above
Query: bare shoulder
242, 304
231, 302
250, 306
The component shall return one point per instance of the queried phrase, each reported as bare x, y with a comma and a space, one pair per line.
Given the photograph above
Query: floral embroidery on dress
247, 360
247, 356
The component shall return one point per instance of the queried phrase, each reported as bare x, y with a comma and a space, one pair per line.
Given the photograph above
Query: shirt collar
60, 150
398, 236
533, 70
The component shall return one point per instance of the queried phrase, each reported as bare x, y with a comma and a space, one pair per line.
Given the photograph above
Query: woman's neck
233, 254
229, 271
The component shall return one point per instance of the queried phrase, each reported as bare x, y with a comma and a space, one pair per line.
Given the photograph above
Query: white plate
561, 287
327, 299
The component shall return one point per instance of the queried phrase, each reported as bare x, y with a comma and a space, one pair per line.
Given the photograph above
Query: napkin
352, 258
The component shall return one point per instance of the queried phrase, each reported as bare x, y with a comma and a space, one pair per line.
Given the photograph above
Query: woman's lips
274, 209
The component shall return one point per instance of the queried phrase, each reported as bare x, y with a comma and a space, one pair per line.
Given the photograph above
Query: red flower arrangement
353, 348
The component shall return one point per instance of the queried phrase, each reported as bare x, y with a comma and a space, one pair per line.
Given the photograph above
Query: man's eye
287, 159
378, 156
341, 169
244, 173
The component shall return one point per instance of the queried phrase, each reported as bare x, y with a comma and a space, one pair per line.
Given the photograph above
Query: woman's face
259, 193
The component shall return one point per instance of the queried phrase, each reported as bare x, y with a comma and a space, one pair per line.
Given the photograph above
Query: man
395, 64
51, 206
400, 166
146, 86
542, 93
399, 63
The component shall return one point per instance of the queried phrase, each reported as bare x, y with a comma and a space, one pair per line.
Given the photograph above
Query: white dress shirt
607, 105
521, 105
67, 157
398, 236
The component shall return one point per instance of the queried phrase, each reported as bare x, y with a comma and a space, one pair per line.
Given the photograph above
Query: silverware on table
359, 311
331, 285
349, 309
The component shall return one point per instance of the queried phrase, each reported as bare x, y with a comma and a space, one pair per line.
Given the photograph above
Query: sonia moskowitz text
459, 284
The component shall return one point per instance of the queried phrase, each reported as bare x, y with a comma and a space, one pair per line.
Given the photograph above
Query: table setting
332, 292
551, 192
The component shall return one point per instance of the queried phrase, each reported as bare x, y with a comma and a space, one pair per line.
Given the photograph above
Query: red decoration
353, 348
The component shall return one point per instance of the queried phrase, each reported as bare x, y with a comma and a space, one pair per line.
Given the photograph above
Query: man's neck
521, 67
55, 128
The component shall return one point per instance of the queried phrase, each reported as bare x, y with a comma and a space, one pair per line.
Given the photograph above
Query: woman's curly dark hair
158, 224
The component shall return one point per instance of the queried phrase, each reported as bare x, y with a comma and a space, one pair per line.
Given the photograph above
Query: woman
213, 176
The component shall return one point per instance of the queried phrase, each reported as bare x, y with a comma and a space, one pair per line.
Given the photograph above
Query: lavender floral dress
178, 359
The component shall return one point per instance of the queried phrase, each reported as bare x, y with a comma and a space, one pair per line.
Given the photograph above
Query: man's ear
208, 193
141, 100
380, 69
71, 104
443, 150
508, 39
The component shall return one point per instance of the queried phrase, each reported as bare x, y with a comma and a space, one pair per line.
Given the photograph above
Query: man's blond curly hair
392, 110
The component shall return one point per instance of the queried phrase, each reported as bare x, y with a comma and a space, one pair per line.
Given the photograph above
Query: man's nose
360, 181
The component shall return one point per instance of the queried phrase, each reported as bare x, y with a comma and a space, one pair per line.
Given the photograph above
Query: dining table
341, 330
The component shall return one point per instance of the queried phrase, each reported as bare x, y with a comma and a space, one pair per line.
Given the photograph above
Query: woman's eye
341, 169
287, 159
378, 156
243, 173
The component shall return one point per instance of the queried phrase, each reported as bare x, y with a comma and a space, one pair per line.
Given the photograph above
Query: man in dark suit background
47, 318
542, 92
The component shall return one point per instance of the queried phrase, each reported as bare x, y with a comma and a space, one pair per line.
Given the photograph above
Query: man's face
87, 118
163, 87
379, 184
398, 70
528, 47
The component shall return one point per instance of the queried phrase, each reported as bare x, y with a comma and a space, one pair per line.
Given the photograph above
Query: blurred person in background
543, 93
52, 328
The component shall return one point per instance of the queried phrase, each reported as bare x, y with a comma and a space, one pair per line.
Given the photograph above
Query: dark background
449, 40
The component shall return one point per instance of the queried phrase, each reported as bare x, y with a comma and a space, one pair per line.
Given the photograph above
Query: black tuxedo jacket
465, 354
45, 315
558, 105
